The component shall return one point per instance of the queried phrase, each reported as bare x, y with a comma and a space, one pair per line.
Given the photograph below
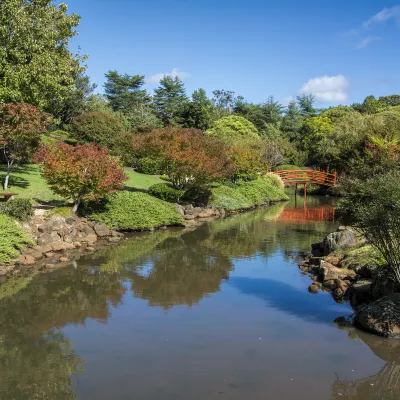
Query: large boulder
101, 230
339, 240
381, 317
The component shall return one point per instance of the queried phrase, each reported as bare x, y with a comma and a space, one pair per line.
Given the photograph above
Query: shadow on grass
52, 203
15, 181
132, 189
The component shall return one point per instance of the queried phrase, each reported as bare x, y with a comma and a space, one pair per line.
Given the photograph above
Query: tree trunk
77, 203
7, 178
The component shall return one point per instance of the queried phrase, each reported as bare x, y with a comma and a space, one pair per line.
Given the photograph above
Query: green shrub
133, 211
12, 239
246, 194
286, 167
164, 178
149, 166
18, 208
166, 192
275, 181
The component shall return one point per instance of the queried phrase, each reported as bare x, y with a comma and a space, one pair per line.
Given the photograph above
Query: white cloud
286, 100
366, 41
382, 16
154, 79
327, 89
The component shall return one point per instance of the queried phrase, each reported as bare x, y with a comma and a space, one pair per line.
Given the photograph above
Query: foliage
248, 162
372, 206
276, 180
17, 208
169, 100
225, 102
12, 239
134, 211
149, 166
370, 106
166, 192
124, 92
292, 122
272, 155
35, 63
137, 181
233, 130
198, 113
306, 105
21, 126
187, 156
99, 127
141, 118
81, 172
247, 194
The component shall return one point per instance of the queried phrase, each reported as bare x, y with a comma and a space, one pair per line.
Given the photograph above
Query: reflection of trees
384, 385
36, 361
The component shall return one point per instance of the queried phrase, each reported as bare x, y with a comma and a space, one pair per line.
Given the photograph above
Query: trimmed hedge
246, 194
12, 239
130, 211
166, 192
18, 208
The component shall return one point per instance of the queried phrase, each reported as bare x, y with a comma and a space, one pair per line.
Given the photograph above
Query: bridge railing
307, 176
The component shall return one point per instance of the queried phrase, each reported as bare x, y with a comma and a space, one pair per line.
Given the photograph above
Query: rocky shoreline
58, 241
374, 297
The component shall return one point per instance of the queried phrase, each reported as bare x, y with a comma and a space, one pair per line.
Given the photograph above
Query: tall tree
198, 113
36, 66
306, 105
169, 100
292, 122
125, 91
225, 102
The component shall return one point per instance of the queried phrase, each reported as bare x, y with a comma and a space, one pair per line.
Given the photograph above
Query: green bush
149, 166
133, 211
12, 239
286, 167
164, 178
18, 208
166, 192
246, 194
372, 207
275, 181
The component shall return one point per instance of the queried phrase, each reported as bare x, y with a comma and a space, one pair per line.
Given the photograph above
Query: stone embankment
374, 297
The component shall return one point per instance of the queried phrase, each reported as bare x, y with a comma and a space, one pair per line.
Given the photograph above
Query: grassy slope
27, 182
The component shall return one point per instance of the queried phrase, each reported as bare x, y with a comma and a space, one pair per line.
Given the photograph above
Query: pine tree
169, 100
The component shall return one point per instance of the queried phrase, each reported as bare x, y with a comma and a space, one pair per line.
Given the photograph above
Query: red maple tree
80, 172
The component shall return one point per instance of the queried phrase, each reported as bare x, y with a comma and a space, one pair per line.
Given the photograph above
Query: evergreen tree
198, 113
169, 101
125, 92
292, 122
306, 105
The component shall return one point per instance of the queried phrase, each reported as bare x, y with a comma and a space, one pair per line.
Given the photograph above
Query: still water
218, 312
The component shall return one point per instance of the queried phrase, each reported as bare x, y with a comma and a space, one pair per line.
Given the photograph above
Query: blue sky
339, 50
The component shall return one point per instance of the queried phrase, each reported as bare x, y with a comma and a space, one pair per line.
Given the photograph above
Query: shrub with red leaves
187, 156
80, 172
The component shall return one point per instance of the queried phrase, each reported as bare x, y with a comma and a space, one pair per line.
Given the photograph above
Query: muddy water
219, 312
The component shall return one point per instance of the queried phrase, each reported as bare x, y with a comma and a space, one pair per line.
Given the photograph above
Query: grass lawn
27, 182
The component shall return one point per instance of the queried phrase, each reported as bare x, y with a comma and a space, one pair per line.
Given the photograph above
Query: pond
218, 312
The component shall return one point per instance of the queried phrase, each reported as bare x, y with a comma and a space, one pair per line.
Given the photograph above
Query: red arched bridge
307, 177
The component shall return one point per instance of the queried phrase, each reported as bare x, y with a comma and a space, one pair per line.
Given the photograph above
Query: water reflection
235, 263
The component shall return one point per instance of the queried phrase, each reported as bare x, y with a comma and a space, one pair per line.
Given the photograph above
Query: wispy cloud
366, 41
382, 16
155, 79
327, 89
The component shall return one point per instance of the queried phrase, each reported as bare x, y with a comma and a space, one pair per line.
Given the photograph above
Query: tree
292, 122
370, 106
21, 126
306, 105
141, 118
36, 66
125, 92
80, 172
198, 113
169, 100
234, 130
103, 128
225, 101
392, 100
190, 158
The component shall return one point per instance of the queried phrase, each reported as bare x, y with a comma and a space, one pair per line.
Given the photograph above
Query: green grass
247, 194
130, 211
27, 183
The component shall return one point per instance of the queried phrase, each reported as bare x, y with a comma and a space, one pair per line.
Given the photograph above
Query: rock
114, 239
63, 259
70, 221
69, 246
180, 209
188, 217
44, 249
339, 240
45, 228
101, 230
381, 317
207, 213
89, 248
338, 293
92, 223
189, 207
49, 266
222, 212
342, 285
55, 237
313, 288
58, 247
49, 255
44, 239
77, 244
26, 260
360, 292
330, 284
334, 260
37, 255
90, 238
